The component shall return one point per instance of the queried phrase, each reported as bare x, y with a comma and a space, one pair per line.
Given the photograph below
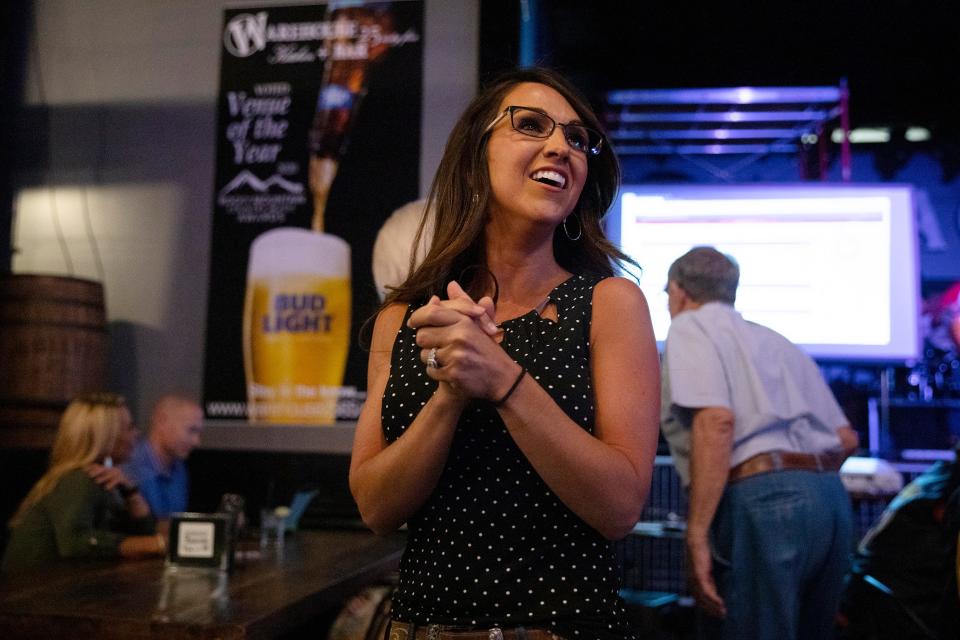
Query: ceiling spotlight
863, 135
917, 134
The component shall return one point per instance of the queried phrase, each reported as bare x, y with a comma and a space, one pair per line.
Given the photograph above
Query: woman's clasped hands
459, 343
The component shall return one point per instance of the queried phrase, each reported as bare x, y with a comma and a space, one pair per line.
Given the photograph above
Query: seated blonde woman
83, 506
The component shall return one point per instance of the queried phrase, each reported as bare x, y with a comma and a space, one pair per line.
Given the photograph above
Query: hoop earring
579, 229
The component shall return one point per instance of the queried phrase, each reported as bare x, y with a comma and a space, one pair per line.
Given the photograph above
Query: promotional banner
318, 138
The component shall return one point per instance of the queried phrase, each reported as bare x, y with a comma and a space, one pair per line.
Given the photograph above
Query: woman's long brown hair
460, 197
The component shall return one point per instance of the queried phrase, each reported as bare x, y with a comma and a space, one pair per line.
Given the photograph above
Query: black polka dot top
493, 545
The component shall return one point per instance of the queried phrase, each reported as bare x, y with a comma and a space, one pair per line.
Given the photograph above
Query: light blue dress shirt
715, 358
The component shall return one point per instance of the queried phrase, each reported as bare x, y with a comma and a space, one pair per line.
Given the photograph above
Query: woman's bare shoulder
388, 323
619, 306
619, 293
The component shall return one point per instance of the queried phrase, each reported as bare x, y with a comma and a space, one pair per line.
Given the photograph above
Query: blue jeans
782, 544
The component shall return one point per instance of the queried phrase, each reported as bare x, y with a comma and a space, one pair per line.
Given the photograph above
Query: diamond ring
432, 361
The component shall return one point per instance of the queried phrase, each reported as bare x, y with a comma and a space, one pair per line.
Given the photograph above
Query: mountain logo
247, 179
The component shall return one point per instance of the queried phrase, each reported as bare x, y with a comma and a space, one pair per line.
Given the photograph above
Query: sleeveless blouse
493, 545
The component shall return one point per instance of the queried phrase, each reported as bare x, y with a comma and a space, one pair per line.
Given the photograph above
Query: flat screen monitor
833, 268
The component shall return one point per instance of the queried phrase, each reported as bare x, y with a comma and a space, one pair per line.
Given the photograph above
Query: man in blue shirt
157, 465
757, 438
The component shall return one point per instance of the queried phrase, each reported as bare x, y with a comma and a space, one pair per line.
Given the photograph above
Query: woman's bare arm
604, 478
391, 482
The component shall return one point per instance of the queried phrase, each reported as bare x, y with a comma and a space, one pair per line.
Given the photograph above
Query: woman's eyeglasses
537, 124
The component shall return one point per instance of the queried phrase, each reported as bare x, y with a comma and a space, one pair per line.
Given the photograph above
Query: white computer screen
832, 268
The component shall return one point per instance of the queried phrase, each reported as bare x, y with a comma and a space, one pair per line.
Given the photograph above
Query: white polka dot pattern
493, 545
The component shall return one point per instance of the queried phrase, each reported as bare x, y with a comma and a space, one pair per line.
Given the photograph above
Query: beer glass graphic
296, 326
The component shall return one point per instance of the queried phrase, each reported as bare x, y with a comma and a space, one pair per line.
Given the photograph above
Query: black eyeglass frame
590, 151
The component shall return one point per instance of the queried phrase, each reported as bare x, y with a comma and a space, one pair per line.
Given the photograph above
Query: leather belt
785, 460
407, 631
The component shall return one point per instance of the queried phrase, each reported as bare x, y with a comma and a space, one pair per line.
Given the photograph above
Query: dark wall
15, 21
499, 37
19, 470
270, 479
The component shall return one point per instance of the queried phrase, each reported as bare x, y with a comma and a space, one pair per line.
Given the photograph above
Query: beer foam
293, 250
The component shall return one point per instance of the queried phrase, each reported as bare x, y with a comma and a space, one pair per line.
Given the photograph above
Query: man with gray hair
757, 438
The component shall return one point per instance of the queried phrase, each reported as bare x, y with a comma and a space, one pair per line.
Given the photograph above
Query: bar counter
262, 598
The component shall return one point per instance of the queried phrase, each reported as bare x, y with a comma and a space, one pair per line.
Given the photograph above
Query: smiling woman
511, 418
462, 188
535, 168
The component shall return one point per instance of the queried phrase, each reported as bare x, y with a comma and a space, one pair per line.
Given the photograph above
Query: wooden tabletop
263, 597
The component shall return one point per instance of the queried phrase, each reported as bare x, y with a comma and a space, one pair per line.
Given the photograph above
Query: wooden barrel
53, 346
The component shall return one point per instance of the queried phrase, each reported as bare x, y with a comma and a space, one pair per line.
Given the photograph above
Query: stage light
863, 135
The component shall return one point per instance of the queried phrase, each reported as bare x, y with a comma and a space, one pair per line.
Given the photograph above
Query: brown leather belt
407, 631
784, 460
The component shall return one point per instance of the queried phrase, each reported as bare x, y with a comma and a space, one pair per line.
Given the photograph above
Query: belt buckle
433, 632
495, 634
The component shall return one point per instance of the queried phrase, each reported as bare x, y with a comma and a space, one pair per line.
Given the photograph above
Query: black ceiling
901, 59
